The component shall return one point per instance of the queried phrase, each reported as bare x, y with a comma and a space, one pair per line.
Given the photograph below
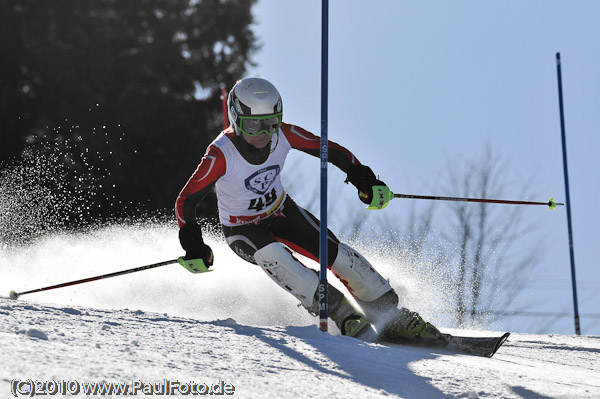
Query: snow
100, 345
236, 330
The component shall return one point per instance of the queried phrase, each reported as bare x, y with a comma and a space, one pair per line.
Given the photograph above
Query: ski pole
15, 295
551, 203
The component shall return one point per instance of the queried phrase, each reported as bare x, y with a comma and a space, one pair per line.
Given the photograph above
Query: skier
263, 225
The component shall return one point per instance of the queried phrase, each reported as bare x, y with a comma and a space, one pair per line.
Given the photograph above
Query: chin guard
381, 197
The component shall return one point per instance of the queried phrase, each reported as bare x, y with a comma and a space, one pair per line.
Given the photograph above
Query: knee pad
361, 279
279, 264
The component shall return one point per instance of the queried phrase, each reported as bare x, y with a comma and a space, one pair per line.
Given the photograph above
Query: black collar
255, 156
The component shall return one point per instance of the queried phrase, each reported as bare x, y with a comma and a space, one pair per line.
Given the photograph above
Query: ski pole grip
381, 197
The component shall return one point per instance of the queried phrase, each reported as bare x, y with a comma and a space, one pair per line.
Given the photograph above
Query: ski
478, 346
481, 346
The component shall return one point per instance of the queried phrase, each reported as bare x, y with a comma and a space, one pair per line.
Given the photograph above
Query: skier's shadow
375, 366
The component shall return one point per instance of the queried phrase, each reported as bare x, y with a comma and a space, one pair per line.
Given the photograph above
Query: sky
414, 85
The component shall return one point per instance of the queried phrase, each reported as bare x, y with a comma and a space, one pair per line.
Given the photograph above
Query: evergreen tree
128, 91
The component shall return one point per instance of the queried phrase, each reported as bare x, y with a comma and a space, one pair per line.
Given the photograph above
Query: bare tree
490, 268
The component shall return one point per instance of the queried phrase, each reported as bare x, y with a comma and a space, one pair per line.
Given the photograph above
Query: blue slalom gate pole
567, 196
323, 300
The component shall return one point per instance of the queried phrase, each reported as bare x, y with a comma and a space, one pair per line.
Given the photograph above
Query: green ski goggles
255, 125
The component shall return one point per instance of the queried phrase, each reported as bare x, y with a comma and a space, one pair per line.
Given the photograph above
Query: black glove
190, 237
363, 178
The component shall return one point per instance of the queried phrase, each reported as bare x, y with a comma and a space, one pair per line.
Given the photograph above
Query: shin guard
361, 279
279, 264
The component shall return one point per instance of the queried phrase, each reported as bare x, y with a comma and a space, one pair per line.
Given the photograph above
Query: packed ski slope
69, 343
232, 331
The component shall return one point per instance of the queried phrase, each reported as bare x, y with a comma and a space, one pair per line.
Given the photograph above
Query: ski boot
352, 323
349, 320
406, 325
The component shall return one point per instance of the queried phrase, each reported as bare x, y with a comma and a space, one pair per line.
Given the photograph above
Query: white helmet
254, 107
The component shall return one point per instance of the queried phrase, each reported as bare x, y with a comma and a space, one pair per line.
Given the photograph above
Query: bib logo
260, 181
